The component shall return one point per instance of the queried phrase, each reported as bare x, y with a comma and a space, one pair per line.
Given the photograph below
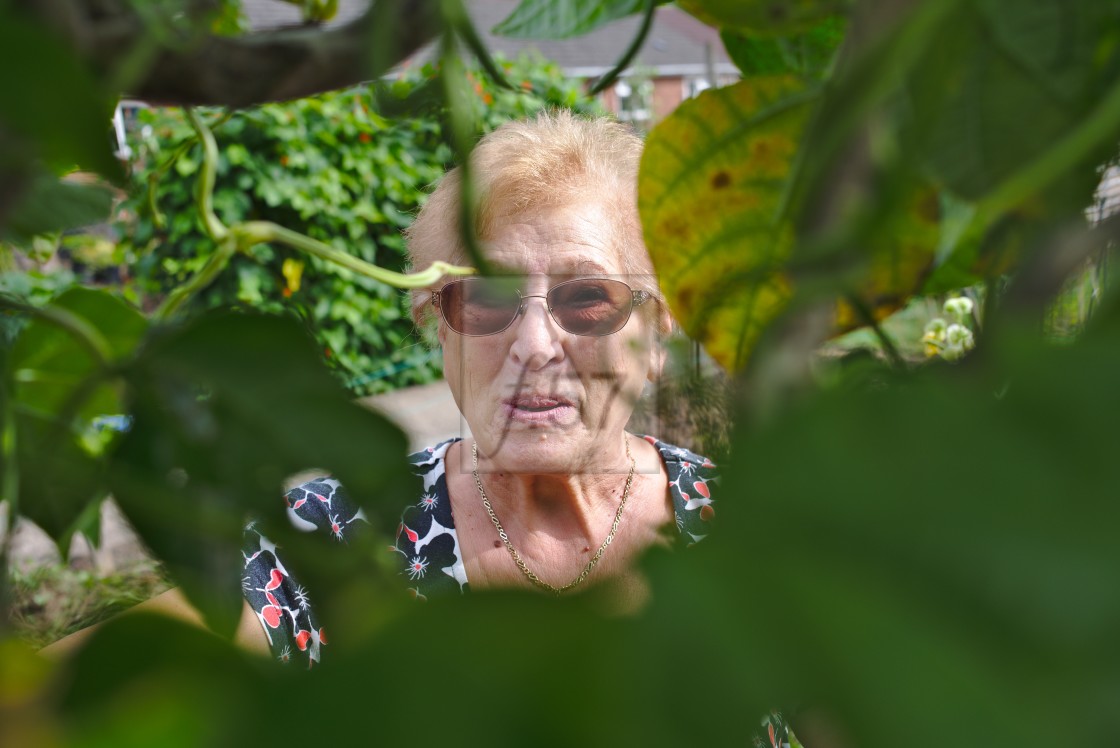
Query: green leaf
756, 55
166, 680
809, 53
49, 364
763, 16
559, 19
712, 186
225, 409
54, 103
58, 480
54, 397
955, 527
1056, 40
979, 111
50, 204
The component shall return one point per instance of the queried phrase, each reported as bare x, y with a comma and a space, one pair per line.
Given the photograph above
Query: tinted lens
479, 306
591, 306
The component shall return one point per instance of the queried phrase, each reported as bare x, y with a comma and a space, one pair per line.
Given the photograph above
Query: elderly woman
545, 362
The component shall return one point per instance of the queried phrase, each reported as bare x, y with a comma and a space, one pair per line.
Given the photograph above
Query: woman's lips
539, 409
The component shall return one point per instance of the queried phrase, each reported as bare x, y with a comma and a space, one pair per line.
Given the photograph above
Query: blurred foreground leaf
49, 99
950, 552
1002, 82
50, 204
226, 408
24, 678
59, 388
49, 364
189, 688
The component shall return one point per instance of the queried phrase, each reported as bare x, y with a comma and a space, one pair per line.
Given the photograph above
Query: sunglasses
586, 306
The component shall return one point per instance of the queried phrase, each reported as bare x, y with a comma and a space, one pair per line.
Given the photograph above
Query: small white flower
428, 502
959, 307
959, 336
302, 599
417, 567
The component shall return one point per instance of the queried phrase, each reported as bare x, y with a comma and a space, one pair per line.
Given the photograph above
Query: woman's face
537, 398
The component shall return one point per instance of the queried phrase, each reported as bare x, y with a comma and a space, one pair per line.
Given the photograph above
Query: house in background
681, 56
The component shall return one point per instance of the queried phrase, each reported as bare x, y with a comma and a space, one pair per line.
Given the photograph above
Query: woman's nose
536, 337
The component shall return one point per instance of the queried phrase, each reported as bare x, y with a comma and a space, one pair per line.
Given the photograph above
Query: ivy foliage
337, 168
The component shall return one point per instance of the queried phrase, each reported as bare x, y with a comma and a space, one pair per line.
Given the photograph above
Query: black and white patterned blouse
428, 546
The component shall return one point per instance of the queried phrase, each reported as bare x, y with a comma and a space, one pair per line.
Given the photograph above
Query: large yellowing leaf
712, 188
894, 258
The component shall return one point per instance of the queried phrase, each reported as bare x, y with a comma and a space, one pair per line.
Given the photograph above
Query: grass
49, 602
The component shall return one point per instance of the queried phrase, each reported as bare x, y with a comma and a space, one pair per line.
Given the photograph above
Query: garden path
426, 413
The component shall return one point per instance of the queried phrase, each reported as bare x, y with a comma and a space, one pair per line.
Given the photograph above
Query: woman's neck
557, 504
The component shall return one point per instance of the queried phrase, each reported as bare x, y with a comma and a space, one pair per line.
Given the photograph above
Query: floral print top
426, 541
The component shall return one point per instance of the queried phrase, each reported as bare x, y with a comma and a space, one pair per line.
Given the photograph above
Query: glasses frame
637, 298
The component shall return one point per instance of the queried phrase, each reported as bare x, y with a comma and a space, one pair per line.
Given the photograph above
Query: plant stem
258, 232
214, 266
885, 340
157, 173
635, 46
462, 134
456, 17
241, 237
206, 175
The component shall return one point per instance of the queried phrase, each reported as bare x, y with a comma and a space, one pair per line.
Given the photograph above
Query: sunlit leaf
713, 182
558, 19
763, 16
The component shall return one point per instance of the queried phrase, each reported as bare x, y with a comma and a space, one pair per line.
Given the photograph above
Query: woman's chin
538, 450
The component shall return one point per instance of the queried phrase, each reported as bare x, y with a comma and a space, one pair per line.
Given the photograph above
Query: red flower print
271, 616
274, 580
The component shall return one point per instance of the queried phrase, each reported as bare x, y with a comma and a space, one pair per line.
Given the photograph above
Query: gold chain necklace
517, 556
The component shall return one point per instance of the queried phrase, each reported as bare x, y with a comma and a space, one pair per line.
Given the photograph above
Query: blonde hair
553, 160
